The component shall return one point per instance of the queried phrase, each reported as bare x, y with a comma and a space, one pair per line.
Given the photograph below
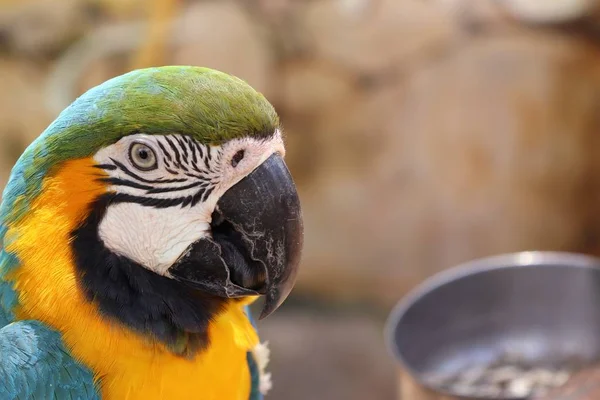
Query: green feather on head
210, 106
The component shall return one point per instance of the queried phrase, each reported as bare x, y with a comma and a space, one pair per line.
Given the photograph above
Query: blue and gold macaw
136, 230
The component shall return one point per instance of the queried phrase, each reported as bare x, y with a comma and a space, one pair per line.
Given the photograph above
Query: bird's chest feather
220, 372
127, 365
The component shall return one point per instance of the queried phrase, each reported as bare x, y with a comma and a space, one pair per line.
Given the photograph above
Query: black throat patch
148, 303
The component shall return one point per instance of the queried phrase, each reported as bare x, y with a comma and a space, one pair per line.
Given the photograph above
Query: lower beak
257, 240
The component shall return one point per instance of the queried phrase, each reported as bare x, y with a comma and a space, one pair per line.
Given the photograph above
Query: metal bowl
544, 306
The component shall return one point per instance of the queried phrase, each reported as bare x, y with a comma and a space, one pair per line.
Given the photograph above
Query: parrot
137, 230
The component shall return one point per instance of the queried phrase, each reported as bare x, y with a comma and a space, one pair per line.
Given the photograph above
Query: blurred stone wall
421, 133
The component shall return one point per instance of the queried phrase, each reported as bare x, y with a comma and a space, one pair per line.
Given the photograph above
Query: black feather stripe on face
185, 165
175, 151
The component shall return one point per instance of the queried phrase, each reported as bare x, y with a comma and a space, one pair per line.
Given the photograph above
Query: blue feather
8, 296
36, 365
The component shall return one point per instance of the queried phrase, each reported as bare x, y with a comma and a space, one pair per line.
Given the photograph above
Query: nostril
237, 157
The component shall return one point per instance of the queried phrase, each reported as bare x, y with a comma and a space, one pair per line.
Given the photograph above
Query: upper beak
257, 240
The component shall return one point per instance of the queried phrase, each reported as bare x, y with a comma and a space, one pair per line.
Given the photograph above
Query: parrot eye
142, 157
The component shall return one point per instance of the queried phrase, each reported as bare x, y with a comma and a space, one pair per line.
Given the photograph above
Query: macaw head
193, 187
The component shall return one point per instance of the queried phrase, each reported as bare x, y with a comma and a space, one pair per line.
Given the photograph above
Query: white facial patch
152, 237
158, 212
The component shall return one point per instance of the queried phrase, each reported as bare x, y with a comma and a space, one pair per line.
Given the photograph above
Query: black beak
257, 240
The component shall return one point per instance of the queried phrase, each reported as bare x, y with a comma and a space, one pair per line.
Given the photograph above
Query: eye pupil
143, 154
237, 157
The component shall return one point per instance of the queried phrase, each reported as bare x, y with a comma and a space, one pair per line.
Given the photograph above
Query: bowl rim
462, 270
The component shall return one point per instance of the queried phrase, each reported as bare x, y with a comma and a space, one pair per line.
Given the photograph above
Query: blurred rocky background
421, 134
